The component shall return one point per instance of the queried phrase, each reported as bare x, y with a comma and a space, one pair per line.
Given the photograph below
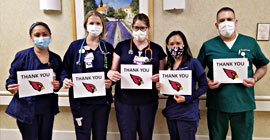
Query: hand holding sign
114, 75
249, 82
13, 89
55, 84
155, 78
179, 98
67, 83
213, 84
108, 83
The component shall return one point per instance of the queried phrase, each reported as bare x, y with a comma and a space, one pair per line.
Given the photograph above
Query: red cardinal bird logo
136, 79
230, 73
90, 87
176, 86
37, 85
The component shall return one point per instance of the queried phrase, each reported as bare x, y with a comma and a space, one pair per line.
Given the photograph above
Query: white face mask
94, 30
226, 28
140, 35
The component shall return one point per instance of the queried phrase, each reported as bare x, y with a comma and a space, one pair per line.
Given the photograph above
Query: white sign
230, 70
136, 76
88, 84
175, 82
35, 82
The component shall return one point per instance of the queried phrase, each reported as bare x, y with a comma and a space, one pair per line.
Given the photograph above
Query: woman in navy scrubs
35, 115
136, 108
91, 54
182, 112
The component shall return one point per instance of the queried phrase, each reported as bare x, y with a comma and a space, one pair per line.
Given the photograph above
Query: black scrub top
138, 96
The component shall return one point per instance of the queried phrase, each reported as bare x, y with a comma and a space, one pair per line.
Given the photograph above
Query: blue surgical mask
42, 42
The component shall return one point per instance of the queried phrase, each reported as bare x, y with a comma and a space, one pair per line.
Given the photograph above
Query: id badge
139, 60
88, 59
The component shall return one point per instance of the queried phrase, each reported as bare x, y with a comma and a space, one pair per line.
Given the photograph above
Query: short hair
94, 13
141, 17
225, 9
39, 23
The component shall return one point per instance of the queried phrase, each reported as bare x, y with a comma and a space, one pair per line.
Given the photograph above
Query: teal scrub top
231, 97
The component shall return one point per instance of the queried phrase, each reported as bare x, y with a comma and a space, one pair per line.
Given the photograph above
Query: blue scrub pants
136, 118
94, 118
40, 129
182, 130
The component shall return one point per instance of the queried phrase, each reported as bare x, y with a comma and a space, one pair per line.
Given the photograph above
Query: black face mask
176, 52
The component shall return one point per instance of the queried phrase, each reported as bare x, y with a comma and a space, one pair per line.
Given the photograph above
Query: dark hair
39, 23
141, 17
225, 9
187, 55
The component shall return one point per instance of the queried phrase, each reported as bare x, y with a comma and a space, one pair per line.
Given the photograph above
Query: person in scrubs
88, 55
136, 108
35, 114
182, 111
231, 104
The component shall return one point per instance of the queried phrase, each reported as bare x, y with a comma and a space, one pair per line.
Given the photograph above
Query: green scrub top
231, 97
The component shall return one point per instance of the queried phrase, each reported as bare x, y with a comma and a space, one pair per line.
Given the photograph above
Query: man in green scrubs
231, 104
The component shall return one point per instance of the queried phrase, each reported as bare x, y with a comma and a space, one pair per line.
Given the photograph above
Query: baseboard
14, 134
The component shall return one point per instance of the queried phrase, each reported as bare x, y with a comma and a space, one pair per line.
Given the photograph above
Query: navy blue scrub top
43, 101
138, 96
23, 109
70, 67
188, 110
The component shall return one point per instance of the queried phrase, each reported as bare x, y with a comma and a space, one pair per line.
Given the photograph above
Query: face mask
176, 52
94, 30
226, 28
140, 35
42, 42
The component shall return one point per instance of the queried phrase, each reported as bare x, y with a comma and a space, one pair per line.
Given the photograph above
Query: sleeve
162, 54
58, 71
67, 64
201, 56
118, 49
16, 65
202, 82
260, 59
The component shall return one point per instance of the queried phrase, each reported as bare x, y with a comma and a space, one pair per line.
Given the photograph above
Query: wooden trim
151, 18
73, 15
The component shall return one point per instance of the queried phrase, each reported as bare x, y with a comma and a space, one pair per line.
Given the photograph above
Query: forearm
203, 87
260, 72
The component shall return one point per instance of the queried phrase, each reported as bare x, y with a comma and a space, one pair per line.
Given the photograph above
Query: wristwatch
255, 78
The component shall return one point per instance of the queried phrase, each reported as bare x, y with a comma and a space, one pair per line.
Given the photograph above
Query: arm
113, 74
155, 78
16, 65
203, 87
67, 69
259, 73
58, 68
213, 84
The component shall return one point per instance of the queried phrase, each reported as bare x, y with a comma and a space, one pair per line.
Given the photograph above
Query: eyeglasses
142, 28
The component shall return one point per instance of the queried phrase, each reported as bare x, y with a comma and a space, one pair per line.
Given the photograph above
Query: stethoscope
102, 52
130, 52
